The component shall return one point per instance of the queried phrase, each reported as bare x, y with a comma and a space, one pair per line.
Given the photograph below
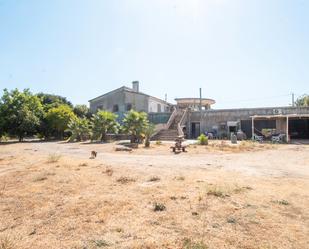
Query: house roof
127, 89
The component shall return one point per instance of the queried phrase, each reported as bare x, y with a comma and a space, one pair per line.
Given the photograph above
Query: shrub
59, 117
158, 142
283, 202
202, 139
154, 179
4, 137
158, 207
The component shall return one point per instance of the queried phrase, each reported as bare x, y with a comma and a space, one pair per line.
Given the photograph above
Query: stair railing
182, 121
171, 119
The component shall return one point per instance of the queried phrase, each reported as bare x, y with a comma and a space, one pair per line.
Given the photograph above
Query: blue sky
243, 53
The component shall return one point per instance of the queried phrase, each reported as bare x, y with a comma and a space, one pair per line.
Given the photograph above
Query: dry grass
225, 190
83, 164
53, 158
154, 179
108, 171
189, 244
208, 208
125, 179
241, 146
2, 188
6, 242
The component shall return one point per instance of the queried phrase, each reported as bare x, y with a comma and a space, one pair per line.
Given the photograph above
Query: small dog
93, 154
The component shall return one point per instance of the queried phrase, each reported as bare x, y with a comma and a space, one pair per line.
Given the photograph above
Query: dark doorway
232, 129
299, 128
195, 130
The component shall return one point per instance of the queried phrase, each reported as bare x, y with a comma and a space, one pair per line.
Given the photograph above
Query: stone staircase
171, 133
166, 135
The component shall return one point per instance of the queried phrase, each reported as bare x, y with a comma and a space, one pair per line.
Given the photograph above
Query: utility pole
200, 99
293, 100
201, 103
165, 98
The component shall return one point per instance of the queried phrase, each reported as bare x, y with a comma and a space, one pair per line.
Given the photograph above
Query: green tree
134, 124
51, 100
149, 131
82, 111
302, 101
79, 127
103, 122
59, 117
20, 113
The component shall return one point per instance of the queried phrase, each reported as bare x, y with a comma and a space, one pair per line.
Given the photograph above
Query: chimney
135, 86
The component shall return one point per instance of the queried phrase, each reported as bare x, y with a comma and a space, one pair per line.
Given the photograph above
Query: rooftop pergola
279, 116
194, 102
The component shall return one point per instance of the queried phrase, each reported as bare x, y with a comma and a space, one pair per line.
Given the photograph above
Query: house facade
124, 99
192, 116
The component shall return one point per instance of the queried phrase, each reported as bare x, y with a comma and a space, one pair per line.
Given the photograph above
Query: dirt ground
52, 195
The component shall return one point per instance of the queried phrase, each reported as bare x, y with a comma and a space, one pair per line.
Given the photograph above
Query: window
115, 108
129, 107
159, 108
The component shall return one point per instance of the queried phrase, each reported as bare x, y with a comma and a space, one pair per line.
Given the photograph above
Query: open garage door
299, 128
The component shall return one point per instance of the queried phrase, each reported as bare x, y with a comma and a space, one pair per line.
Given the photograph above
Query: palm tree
103, 122
135, 124
149, 131
79, 127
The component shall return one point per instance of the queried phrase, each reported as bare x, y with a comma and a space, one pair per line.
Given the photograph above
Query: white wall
153, 105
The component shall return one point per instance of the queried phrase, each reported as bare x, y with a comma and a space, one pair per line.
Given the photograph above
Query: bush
4, 137
202, 139
158, 207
